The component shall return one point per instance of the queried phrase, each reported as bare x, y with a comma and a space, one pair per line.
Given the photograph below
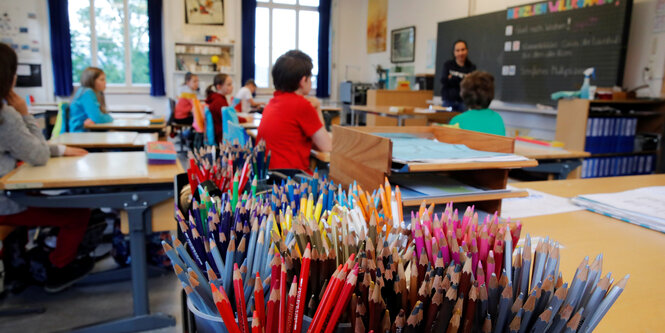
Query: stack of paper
643, 206
427, 185
160, 152
410, 148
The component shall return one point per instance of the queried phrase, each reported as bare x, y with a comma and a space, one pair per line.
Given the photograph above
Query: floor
87, 304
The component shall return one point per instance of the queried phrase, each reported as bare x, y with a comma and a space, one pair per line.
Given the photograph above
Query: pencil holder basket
341, 327
207, 323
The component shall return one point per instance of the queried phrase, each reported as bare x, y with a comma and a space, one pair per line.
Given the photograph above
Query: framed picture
204, 12
403, 46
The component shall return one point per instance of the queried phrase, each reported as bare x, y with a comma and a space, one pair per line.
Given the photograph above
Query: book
160, 152
643, 206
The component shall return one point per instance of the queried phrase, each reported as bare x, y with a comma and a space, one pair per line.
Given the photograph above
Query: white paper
536, 204
23, 70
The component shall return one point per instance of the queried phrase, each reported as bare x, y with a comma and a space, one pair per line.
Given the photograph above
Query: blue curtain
323, 79
156, 60
61, 47
248, 20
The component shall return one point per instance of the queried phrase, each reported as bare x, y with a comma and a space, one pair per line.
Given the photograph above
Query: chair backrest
62, 120
171, 110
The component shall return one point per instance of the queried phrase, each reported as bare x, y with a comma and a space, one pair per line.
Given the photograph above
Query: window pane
308, 36
314, 3
283, 32
110, 39
138, 39
286, 2
79, 28
261, 48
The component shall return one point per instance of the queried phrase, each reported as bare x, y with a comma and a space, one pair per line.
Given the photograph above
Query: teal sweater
485, 120
85, 105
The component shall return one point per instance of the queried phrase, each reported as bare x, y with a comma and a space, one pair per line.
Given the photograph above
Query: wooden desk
626, 248
128, 108
120, 180
253, 120
105, 140
401, 116
123, 124
556, 162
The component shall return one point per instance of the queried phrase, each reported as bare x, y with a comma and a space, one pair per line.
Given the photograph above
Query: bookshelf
196, 58
358, 154
579, 128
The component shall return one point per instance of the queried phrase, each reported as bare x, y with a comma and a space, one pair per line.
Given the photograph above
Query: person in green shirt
477, 91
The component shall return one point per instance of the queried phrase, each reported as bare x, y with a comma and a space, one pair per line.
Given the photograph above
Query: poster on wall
377, 31
210, 12
403, 45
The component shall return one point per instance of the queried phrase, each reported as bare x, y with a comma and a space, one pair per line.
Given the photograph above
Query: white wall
645, 48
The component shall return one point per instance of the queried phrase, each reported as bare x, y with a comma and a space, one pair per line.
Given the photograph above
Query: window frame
116, 88
270, 4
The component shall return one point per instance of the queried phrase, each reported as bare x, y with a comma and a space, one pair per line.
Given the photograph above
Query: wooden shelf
203, 73
359, 155
205, 44
573, 115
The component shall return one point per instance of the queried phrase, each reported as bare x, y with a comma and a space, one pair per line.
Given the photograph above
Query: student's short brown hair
289, 69
477, 90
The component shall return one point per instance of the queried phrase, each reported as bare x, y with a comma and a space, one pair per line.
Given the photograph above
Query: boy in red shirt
291, 123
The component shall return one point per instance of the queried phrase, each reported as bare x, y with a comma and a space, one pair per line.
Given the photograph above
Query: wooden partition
415, 98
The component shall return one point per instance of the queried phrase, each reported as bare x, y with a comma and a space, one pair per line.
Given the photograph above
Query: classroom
389, 166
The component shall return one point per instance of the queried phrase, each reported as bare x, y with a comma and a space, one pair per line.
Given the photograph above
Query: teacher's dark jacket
451, 77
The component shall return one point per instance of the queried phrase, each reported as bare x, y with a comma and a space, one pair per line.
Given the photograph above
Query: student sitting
88, 104
221, 86
477, 91
188, 91
22, 140
290, 123
245, 98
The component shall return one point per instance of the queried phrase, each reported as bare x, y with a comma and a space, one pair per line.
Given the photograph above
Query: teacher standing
454, 70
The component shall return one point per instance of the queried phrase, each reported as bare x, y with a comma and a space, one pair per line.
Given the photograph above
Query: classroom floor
89, 304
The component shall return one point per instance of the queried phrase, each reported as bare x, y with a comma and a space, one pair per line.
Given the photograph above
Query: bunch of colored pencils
229, 167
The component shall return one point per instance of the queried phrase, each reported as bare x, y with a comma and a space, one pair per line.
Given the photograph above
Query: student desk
401, 116
128, 124
556, 162
253, 120
122, 108
626, 248
121, 180
105, 140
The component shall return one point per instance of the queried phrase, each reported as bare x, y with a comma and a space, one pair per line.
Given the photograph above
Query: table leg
142, 319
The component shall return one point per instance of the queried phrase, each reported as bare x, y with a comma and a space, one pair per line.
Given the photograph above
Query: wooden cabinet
607, 129
360, 155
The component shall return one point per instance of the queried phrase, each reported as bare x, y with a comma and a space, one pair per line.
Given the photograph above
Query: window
283, 25
111, 35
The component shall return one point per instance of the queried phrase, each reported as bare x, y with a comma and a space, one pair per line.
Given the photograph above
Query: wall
645, 48
37, 32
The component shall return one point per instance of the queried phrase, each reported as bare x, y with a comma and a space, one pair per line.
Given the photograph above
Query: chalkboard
534, 50
485, 45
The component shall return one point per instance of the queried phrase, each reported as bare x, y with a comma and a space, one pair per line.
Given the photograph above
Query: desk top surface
105, 139
539, 152
253, 120
627, 249
120, 123
94, 169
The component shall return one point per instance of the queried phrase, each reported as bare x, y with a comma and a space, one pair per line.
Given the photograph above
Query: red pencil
343, 300
291, 303
224, 308
259, 300
282, 305
324, 299
302, 289
330, 302
256, 324
239, 295
273, 311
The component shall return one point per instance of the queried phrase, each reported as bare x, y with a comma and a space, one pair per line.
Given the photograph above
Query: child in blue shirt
88, 104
